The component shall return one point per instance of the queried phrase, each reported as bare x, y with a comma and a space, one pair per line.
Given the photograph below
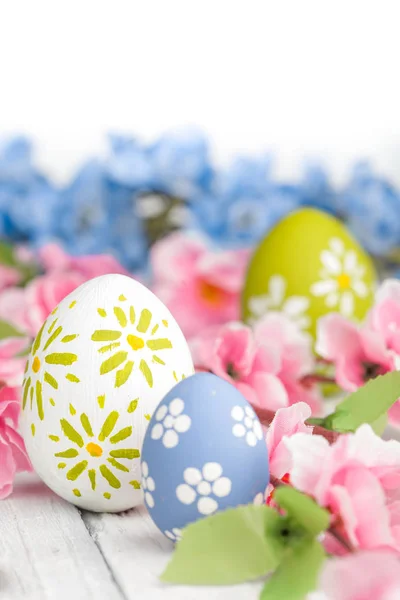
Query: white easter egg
98, 368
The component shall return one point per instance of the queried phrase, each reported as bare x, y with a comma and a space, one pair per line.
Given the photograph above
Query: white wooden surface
50, 550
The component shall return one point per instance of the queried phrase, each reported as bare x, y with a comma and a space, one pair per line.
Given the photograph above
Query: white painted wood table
51, 550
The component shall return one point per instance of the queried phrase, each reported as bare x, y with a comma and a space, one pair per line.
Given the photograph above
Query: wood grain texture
137, 553
46, 551
49, 550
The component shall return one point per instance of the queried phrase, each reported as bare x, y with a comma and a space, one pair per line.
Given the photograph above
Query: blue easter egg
204, 451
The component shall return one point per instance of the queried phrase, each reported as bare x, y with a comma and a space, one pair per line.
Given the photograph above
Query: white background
300, 78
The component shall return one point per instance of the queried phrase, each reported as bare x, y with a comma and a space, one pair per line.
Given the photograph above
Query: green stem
266, 417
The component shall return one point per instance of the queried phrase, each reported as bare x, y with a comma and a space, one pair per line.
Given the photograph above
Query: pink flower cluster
373, 575
28, 307
268, 364
201, 287
360, 353
357, 479
13, 457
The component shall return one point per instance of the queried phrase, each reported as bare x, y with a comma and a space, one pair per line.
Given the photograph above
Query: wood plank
137, 553
46, 551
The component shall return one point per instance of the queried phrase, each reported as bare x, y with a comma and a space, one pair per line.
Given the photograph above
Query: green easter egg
307, 266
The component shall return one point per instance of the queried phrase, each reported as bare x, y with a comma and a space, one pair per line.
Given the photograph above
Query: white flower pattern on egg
247, 426
294, 307
170, 423
259, 499
204, 487
175, 535
341, 278
148, 485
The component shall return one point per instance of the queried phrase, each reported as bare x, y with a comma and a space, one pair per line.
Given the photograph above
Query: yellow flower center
211, 293
94, 449
36, 364
344, 281
136, 343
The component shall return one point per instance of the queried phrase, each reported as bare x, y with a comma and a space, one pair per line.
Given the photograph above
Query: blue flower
371, 207
97, 215
16, 162
316, 189
27, 199
181, 163
129, 163
243, 204
81, 218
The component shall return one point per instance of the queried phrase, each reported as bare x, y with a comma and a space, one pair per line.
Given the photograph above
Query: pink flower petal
308, 454
294, 346
287, 422
7, 470
8, 277
361, 503
9, 347
17, 446
175, 257
269, 390
235, 348
361, 576
334, 334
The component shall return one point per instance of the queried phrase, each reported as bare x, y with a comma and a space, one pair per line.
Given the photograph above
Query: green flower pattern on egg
96, 372
307, 266
81, 443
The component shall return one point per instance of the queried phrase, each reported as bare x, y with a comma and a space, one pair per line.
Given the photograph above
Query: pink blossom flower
231, 352
28, 308
199, 286
8, 277
13, 309
12, 366
362, 576
357, 478
297, 359
358, 354
13, 456
287, 422
54, 259
385, 315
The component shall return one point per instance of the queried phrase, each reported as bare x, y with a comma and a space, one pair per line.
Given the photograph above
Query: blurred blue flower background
111, 203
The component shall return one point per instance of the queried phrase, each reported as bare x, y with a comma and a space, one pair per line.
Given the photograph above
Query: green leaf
366, 405
297, 574
230, 547
7, 330
7, 254
303, 509
379, 425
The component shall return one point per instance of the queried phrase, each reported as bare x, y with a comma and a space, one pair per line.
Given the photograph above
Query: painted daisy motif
204, 487
294, 307
170, 423
175, 534
259, 499
134, 343
341, 278
247, 425
95, 454
45, 366
148, 485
